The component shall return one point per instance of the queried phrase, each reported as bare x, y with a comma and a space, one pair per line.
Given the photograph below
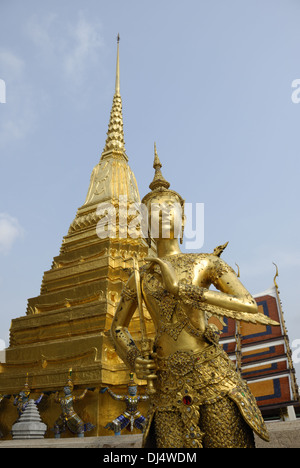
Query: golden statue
197, 398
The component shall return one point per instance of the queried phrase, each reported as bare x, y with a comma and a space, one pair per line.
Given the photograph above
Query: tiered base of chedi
67, 325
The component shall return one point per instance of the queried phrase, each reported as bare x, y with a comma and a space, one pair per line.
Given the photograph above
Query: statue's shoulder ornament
220, 249
219, 267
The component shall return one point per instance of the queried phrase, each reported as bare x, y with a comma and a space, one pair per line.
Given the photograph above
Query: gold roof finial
158, 181
276, 275
115, 135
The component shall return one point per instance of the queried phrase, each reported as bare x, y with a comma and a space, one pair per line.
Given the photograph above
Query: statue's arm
115, 396
80, 397
38, 400
231, 293
143, 397
124, 343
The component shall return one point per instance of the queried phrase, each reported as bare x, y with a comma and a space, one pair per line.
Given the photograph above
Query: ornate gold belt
182, 362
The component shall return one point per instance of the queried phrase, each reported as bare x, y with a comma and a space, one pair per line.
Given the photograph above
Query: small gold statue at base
131, 417
198, 399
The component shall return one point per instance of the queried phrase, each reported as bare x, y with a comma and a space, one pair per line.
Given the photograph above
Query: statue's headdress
26, 388
69, 381
160, 185
131, 382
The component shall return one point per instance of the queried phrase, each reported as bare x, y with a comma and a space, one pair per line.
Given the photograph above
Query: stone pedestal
30, 425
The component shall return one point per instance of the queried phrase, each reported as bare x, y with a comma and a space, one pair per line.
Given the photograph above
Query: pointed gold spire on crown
26, 388
159, 184
115, 143
69, 382
158, 181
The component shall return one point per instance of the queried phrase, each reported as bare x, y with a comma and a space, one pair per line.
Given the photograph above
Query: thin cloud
11, 65
39, 31
10, 232
19, 115
72, 47
86, 43
18, 125
263, 259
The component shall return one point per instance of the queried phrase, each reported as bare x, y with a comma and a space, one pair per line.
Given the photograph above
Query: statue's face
24, 395
67, 390
165, 215
132, 390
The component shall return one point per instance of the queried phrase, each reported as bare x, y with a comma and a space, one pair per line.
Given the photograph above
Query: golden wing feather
241, 316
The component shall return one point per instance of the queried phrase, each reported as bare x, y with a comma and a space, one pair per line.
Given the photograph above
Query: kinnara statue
69, 418
131, 416
197, 398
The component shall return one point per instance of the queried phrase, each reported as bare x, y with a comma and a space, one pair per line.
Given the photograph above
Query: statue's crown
131, 382
69, 381
159, 184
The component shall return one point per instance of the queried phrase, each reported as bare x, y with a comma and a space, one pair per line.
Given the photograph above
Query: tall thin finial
157, 162
115, 135
117, 90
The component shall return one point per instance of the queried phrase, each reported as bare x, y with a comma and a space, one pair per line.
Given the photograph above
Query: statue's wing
241, 316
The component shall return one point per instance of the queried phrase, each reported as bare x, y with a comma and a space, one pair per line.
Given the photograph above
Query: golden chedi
68, 324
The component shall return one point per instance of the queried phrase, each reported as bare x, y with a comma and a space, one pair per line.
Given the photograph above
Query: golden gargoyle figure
197, 398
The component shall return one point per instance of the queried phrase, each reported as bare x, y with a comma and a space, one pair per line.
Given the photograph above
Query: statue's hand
103, 390
168, 274
144, 367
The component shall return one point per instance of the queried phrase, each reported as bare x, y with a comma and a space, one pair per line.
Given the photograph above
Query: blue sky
209, 81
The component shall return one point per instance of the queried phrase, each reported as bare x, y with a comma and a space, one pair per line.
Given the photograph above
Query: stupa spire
115, 135
117, 88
